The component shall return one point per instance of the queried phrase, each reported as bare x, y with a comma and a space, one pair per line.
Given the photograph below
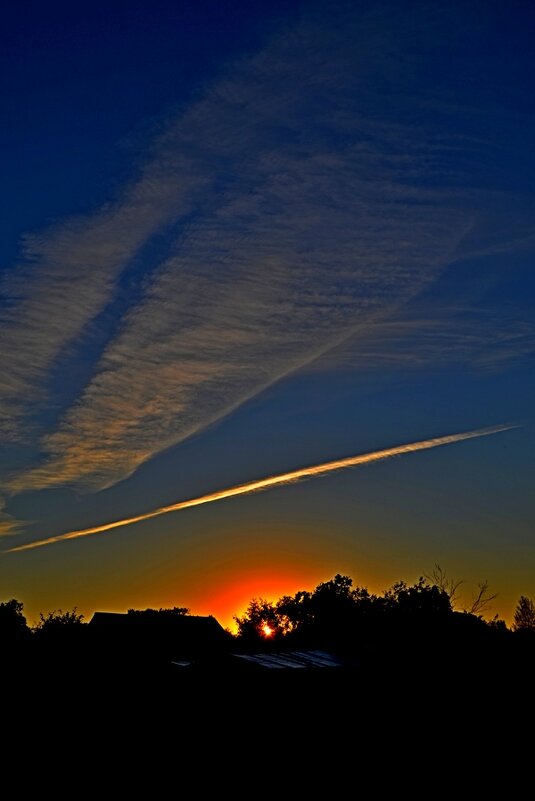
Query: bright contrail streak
271, 481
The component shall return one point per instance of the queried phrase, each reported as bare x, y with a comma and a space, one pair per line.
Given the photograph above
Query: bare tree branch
440, 579
482, 601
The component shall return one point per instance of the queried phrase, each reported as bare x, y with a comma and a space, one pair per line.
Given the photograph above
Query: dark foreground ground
436, 692
319, 734
451, 698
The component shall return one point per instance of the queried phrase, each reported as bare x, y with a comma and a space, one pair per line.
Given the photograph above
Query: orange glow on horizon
231, 595
218, 573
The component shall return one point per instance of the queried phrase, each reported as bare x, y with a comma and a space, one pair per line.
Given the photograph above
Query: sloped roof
154, 636
183, 623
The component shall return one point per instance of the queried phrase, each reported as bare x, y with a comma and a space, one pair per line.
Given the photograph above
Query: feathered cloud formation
419, 337
258, 485
309, 205
70, 274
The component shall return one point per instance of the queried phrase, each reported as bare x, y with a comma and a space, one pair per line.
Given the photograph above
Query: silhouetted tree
421, 598
11, 615
59, 638
337, 614
13, 626
15, 638
439, 578
482, 600
524, 617
332, 600
59, 632
294, 611
335, 610
58, 621
260, 621
497, 624
331, 613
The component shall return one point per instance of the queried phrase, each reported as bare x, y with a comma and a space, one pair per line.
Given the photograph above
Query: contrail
271, 481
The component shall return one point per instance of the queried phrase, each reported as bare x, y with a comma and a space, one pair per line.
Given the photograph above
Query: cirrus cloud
313, 204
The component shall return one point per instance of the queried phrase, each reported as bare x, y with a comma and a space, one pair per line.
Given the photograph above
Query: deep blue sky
240, 238
85, 87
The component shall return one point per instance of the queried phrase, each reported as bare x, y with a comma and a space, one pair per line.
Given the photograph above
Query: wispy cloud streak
486, 339
267, 483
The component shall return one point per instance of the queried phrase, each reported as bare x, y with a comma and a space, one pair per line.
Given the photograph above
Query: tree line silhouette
407, 628
404, 626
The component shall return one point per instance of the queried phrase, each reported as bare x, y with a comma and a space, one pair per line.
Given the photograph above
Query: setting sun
267, 631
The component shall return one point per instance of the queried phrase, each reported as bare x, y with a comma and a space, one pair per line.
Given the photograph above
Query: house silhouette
152, 637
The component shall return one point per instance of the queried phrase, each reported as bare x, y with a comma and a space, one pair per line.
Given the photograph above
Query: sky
240, 239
